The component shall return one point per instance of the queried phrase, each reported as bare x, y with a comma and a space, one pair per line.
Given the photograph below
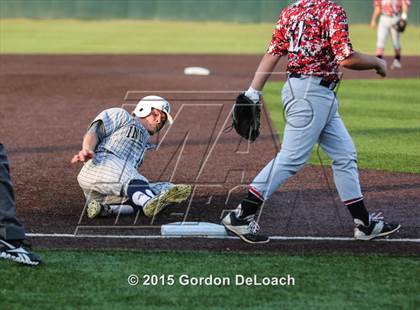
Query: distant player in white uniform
390, 12
112, 151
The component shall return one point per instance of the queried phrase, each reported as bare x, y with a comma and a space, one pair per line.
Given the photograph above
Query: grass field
381, 115
98, 280
139, 37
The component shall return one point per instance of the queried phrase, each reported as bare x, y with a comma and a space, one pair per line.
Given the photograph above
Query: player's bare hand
83, 156
373, 24
381, 67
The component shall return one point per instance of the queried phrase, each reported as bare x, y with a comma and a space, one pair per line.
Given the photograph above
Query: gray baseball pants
385, 27
312, 117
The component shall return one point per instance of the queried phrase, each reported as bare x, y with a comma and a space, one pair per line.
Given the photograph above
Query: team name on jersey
135, 133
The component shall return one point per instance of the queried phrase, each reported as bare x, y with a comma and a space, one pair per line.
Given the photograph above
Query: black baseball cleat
246, 229
18, 253
376, 228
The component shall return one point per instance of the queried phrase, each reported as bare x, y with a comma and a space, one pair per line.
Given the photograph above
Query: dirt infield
48, 101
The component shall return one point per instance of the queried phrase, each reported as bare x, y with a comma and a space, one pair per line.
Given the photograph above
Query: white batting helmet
145, 105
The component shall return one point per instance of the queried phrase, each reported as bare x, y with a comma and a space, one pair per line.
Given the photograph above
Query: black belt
328, 84
393, 15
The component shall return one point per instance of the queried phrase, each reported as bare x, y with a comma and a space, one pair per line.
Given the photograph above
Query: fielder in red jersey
315, 37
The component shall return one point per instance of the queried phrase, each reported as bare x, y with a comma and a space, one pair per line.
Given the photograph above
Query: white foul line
284, 238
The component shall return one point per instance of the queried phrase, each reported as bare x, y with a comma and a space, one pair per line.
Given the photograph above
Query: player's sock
398, 54
139, 192
358, 210
380, 52
250, 204
121, 209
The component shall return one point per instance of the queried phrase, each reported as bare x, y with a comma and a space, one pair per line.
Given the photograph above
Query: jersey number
296, 39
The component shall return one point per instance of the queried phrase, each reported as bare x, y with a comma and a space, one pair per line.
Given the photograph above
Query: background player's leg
382, 35
10, 227
12, 233
396, 41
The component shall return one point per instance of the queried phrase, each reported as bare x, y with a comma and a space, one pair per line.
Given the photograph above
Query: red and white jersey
391, 7
315, 35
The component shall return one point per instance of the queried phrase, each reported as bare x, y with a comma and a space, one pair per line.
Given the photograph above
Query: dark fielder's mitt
246, 117
400, 25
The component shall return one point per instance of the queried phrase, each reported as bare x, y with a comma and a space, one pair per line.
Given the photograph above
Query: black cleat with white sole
246, 229
377, 228
18, 253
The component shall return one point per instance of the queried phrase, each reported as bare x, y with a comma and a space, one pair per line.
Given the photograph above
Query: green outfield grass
98, 280
139, 37
381, 115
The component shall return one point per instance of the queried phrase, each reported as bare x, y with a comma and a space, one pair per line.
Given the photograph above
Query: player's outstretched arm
90, 141
263, 73
359, 61
405, 8
264, 70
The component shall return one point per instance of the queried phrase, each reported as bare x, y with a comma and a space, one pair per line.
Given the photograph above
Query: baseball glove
246, 117
400, 25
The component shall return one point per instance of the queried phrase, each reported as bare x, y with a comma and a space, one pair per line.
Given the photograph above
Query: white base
191, 229
196, 71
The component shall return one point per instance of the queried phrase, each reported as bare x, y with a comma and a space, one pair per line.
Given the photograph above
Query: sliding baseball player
112, 151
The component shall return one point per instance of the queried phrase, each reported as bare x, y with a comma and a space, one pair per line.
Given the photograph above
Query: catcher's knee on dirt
138, 193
